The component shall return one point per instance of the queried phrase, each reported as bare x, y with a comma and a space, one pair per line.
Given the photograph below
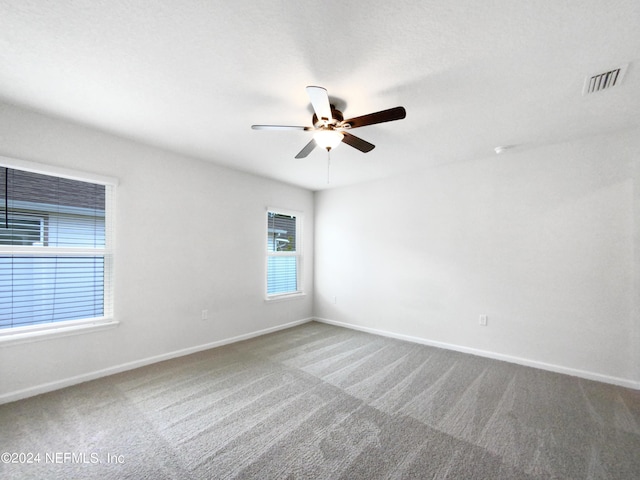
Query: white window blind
283, 253
55, 249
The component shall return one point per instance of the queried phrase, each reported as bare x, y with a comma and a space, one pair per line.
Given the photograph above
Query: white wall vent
603, 81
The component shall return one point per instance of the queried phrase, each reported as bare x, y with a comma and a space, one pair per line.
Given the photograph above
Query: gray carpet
318, 401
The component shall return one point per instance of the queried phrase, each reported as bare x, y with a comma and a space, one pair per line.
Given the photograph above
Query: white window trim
45, 331
45, 169
300, 292
281, 297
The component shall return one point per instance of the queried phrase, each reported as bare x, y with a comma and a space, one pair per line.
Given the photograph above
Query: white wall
189, 236
545, 241
542, 240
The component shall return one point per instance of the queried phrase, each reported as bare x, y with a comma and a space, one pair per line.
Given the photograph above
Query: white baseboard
67, 382
623, 382
85, 377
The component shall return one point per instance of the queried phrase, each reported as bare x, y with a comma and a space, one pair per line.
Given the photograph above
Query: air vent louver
604, 80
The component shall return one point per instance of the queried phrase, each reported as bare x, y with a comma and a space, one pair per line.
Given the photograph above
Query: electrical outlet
484, 320
205, 315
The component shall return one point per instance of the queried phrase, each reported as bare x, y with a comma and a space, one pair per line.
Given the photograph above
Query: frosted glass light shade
328, 139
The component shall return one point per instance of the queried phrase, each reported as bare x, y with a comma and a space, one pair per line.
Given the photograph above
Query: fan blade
397, 113
279, 127
320, 101
357, 142
307, 149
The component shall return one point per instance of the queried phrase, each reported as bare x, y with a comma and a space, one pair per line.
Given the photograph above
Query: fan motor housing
336, 114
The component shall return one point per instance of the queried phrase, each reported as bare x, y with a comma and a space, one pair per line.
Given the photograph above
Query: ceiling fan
329, 126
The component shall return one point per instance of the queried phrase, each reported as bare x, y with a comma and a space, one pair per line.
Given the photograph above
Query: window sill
284, 296
38, 333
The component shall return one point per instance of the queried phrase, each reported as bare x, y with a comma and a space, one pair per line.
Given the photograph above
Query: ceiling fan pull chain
328, 165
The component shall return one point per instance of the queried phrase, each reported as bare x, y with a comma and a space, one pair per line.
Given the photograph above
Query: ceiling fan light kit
328, 139
329, 126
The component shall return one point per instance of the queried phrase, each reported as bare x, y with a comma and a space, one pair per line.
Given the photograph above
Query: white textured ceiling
192, 76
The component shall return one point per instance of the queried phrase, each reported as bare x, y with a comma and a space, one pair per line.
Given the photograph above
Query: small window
22, 230
55, 250
283, 253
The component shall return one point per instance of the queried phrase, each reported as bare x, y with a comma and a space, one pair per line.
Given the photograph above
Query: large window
55, 250
283, 253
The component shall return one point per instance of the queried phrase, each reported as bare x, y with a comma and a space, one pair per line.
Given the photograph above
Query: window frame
29, 333
298, 254
29, 217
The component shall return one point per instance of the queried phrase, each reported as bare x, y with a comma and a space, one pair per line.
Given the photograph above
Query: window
56, 251
283, 253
